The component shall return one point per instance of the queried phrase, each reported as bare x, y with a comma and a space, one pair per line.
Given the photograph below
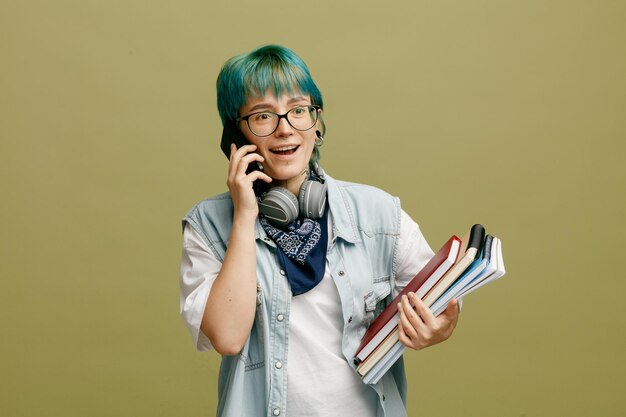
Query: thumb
452, 310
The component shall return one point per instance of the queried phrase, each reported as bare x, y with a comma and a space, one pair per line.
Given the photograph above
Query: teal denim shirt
362, 258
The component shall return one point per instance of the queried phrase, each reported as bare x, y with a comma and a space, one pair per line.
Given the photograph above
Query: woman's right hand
240, 184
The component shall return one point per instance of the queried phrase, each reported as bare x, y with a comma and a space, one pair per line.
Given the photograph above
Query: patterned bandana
302, 253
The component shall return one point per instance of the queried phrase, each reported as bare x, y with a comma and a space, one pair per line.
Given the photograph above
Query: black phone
232, 134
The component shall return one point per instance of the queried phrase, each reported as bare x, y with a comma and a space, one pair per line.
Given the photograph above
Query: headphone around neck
281, 207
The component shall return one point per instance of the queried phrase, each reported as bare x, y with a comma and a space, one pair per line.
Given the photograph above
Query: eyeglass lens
265, 123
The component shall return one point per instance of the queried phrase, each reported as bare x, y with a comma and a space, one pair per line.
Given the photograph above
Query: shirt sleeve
198, 269
413, 252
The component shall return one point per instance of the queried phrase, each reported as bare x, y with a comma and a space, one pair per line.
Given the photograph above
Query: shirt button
350, 319
276, 411
282, 273
279, 365
341, 273
280, 317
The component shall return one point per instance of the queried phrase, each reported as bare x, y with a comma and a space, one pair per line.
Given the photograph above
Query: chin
287, 173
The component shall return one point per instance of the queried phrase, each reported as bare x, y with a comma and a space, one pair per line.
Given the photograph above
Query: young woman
283, 274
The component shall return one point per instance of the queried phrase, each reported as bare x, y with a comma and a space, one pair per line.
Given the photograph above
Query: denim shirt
362, 258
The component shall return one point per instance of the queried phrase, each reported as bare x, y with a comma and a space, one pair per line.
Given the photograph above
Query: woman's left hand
418, 328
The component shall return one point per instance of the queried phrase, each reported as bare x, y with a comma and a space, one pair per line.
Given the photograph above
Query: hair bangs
276, 76
269, 68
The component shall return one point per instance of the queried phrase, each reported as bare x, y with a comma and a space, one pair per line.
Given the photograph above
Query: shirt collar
344, 225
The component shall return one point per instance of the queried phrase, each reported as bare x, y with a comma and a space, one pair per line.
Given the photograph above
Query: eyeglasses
264, 123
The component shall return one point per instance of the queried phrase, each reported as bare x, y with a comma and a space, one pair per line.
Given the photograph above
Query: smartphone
232, 134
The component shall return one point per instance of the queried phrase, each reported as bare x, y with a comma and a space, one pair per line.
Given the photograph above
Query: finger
409, 328
231, 163
242, 164
251, 157
258, 175
403, 338
415, 320
245, 149
451, 313
238, 153
424, 312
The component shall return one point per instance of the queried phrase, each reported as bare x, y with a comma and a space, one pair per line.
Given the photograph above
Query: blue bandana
302, 253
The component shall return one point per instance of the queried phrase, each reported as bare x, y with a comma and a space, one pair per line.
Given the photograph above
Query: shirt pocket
373, 300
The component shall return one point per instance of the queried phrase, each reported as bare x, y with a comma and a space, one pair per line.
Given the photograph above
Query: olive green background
507, 113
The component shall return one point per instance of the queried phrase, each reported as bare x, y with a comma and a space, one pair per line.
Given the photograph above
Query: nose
283, 129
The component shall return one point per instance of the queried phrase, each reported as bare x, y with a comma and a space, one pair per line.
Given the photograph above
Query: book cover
384, 364
377, 370
434, 269
474, 244
492, 267
471, 273
499, 272
376, 355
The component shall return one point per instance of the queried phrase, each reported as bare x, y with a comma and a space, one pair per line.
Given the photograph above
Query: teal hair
270, 67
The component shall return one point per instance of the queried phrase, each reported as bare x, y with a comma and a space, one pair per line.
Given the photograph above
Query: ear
320, 126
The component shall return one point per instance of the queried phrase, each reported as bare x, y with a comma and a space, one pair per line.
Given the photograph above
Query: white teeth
284, 148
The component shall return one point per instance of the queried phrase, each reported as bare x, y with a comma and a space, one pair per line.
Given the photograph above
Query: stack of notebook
458, 268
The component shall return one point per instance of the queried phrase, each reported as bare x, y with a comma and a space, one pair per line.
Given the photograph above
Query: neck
294, 184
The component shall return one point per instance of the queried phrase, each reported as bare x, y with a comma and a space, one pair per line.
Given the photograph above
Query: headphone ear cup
312, 199
279, 206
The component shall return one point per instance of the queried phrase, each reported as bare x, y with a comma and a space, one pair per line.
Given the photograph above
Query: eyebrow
292, 100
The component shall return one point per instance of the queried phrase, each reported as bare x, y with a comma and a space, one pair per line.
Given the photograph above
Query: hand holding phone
244, 165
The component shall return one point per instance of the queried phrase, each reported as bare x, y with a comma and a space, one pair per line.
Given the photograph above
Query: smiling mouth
285, 150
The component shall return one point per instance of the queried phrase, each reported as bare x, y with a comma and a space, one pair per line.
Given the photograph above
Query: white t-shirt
320, 382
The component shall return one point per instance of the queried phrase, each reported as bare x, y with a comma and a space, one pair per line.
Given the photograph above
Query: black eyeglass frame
316, 107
